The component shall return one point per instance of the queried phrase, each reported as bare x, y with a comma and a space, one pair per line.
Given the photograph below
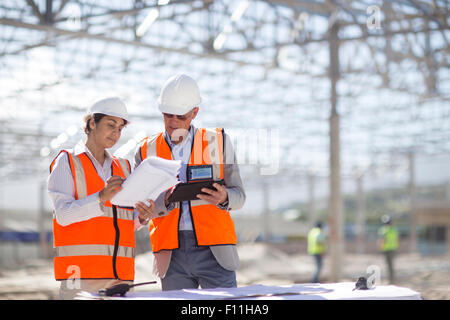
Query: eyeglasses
182, 117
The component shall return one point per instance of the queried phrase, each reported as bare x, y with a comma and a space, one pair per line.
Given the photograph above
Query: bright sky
43, 82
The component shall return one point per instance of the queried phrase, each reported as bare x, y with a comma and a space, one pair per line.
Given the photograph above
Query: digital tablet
189, 191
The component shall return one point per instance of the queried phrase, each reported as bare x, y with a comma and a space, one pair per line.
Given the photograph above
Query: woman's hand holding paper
113, 186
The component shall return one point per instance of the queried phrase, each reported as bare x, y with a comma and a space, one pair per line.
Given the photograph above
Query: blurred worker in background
316, 247
194, 245
388, 243
94, 240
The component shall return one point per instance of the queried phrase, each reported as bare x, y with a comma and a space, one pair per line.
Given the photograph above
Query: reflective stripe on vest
102, 247
93, 250
212, 226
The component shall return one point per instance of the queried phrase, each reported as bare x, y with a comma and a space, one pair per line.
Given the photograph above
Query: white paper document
153, 176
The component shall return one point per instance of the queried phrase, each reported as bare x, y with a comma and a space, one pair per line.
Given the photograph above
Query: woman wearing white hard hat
94, 240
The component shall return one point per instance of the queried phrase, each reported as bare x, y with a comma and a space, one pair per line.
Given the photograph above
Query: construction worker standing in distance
316, 248
195, 244
388, 243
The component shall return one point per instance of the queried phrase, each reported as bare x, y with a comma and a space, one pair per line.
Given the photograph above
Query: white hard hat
386, 219
179, 95
110, 106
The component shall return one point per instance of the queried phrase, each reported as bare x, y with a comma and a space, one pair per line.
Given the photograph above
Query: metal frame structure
348, 85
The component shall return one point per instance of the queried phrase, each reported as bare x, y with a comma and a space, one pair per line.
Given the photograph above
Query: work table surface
322, 291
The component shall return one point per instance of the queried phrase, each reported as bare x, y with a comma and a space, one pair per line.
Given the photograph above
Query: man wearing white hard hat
195, 243
94, 240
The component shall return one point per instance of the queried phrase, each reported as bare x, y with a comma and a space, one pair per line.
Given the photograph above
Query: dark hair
87, 119
97, 117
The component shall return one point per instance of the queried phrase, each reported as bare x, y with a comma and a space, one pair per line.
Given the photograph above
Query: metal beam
35, 10
101, 37
312, 7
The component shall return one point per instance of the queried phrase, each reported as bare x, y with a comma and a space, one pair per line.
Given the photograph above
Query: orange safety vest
102, 247
212, 225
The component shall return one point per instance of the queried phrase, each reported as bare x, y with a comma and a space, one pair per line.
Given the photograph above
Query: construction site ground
269, 264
